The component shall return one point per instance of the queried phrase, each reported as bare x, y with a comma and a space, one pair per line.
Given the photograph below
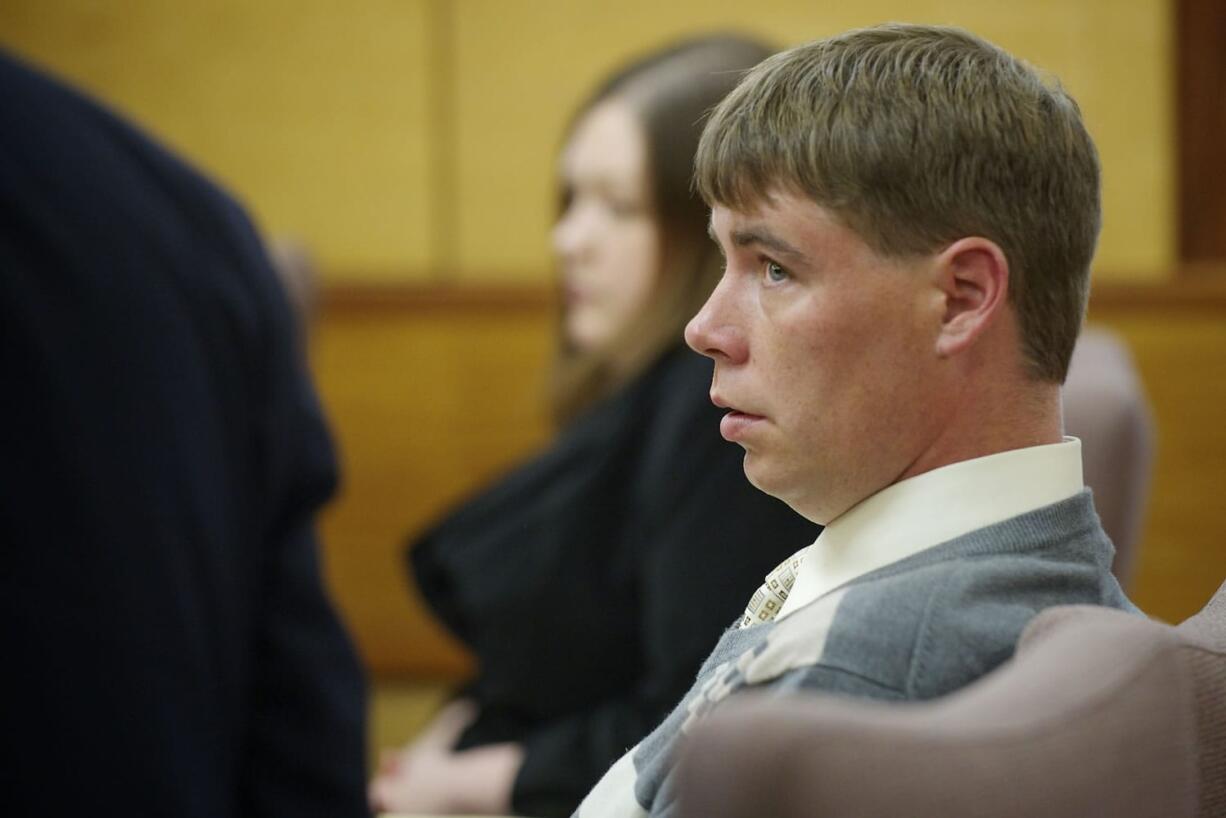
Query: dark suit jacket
167, 645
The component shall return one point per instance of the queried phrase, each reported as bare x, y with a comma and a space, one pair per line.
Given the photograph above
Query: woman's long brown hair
670, 92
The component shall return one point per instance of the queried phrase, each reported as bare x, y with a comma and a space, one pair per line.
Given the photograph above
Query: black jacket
592, 581
167, 646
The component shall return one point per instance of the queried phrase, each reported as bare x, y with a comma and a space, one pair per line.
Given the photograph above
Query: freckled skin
834, 346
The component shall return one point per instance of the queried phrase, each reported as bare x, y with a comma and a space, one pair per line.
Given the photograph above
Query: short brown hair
916, 136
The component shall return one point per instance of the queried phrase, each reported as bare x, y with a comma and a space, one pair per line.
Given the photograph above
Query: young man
908, 215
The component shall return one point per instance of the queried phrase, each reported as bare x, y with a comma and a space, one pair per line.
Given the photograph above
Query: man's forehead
770, 210
750, 211
725, 220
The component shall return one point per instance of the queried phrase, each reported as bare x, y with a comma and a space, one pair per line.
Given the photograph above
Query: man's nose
715, 332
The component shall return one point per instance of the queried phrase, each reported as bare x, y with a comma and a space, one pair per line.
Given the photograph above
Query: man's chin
783, 487
760, 476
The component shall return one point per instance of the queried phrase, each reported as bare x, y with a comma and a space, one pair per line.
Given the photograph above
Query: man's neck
1000, 419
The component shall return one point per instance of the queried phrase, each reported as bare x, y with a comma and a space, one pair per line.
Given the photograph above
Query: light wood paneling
428, 400
316, 114
512, 101
415, 139
1180, 349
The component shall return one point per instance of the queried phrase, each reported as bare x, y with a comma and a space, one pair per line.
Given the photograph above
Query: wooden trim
1191, 291
1200, 99
424, 297
1198, 289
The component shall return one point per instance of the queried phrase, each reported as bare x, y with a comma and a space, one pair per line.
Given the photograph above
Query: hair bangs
732, 168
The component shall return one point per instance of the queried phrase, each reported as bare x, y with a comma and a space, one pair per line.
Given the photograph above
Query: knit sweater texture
916, 629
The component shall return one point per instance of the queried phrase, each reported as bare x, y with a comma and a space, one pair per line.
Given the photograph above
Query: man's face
825, 353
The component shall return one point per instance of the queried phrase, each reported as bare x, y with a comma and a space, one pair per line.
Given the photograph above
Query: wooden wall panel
427, 402
317, 115
1201, 146
432, 392
512, 103
1180, 350
415, 140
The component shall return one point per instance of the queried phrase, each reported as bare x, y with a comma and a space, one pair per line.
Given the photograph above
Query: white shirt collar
935, 507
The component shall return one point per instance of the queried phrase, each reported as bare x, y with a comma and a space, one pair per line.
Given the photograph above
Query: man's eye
775, 273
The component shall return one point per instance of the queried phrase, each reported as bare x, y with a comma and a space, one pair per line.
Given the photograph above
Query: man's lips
736, 424
723, 403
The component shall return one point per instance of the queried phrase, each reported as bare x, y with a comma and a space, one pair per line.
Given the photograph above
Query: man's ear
973, 275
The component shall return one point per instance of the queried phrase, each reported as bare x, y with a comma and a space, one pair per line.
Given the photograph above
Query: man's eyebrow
751, 236
759, 236
756, 235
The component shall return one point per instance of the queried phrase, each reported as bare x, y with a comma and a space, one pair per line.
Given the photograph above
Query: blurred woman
591, 582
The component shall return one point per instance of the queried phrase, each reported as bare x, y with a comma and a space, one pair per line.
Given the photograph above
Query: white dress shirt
932, 508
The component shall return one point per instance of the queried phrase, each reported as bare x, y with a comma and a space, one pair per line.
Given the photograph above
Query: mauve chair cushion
1105, 406
1100, 713
1205, 633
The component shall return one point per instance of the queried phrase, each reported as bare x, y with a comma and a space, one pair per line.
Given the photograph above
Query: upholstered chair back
1106, 407
1099, 713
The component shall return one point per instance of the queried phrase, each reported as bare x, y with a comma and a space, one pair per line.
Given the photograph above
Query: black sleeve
706, 538
306, 746
163, 457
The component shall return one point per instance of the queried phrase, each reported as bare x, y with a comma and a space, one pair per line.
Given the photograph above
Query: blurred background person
590, 582
168, 646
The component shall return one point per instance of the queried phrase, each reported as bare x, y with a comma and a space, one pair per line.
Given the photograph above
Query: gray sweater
915, 629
